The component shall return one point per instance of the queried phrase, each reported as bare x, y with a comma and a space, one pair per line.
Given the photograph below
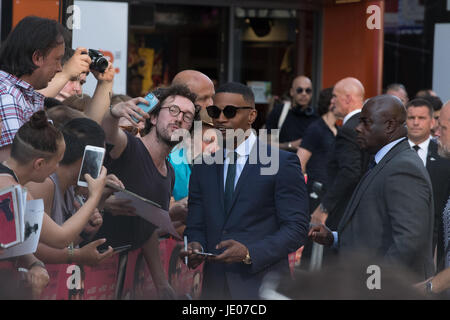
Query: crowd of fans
47, 121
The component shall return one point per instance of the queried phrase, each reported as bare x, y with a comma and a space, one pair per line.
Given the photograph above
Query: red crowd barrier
127, 276
123, 277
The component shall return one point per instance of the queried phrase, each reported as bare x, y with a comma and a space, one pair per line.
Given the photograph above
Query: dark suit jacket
439, 170
346, 167
269, 214
390, 214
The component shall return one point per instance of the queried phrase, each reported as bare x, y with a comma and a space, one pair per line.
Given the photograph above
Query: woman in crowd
60, 201
315, 148
36, 151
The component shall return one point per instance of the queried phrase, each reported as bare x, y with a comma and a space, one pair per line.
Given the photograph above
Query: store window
271, 47
165, 39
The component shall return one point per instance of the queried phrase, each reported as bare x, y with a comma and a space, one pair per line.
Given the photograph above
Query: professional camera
99, 62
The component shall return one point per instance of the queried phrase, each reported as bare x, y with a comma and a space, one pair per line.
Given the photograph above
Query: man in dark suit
349, 162
248, 211
390, 214
420, 121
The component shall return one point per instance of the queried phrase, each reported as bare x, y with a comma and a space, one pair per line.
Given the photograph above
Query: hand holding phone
91, 164
152, 100
206, 254
117, 249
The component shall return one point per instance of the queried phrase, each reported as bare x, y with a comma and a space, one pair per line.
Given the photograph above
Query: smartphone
116, 249
92, 164
206, 254
152, 100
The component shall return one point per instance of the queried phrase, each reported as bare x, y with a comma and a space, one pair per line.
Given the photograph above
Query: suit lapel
432, 155
357, 195
365, 182
220, 191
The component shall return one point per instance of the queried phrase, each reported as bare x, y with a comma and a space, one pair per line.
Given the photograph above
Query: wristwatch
289, 145
247, 259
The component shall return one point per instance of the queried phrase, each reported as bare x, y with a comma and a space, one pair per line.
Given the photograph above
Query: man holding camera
26, 79
21, 74
102, 70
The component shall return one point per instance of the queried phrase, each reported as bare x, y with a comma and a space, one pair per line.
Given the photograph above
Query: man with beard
141, 164
201, 85
419, 122
441, 281
390, 214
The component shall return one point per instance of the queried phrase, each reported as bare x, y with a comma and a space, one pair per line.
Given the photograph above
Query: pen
185, 249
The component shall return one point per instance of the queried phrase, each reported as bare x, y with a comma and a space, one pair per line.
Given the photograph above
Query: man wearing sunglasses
300, 114
250, 220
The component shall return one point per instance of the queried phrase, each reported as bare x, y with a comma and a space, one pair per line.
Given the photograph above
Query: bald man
349, 162
299, 116
390, 214
199, 84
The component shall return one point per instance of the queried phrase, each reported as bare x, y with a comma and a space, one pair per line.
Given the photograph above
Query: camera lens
101, 64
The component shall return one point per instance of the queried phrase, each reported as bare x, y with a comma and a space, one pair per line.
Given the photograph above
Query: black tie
416, 147
229, 182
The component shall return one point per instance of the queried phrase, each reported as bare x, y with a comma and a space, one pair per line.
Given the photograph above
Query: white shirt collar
348, 116
245, 147
383, 151
423, 145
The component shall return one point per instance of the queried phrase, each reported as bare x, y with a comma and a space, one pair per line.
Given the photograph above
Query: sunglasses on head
300, 90
229, 111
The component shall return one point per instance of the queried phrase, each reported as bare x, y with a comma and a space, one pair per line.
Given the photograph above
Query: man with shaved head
390, 214
293, 117
348, 162
199, 84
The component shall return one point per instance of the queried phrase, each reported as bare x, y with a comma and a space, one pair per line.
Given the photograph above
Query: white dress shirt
423, 151
243, 151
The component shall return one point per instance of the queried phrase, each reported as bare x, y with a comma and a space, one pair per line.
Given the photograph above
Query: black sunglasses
300, 90
229, 111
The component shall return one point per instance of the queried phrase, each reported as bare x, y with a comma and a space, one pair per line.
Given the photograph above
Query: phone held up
91, 164
152, 100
